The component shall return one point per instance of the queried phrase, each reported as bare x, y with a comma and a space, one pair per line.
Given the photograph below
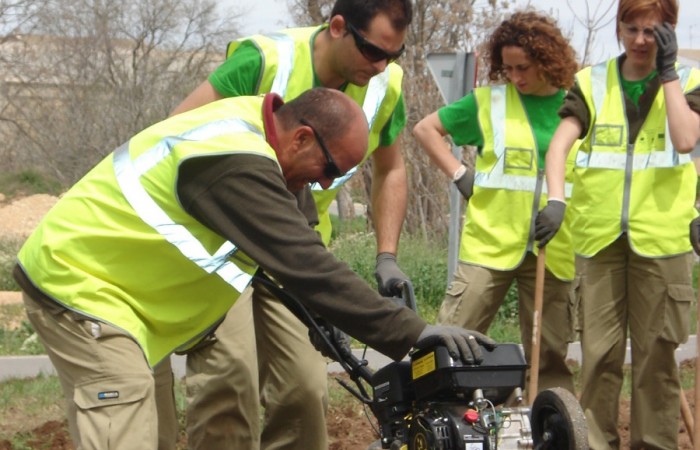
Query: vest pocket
607, 135
518, 159
677, 313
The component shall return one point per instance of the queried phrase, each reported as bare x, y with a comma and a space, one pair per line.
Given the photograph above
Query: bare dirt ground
348, 427
10, 297
18, 217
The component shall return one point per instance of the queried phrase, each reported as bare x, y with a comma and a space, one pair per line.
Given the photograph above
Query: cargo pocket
449, 310
677, 313
113, 411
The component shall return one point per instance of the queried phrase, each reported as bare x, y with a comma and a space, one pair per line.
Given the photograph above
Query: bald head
334, 116
329, 119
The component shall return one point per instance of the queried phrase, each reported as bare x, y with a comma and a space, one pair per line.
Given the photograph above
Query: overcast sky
269, 15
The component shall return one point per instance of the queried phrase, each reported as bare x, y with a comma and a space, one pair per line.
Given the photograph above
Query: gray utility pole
455, 75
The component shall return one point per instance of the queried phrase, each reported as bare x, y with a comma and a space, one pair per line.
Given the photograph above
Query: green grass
425, 263
32, 395
28, 403
20, 341
17, 336
28, 182
9, 247
348, 227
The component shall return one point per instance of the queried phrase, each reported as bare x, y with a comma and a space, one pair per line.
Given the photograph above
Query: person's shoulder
303, 35
253, 41
602, 64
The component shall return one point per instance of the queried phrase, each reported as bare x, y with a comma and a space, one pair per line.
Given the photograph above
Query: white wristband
557, 200
459, 172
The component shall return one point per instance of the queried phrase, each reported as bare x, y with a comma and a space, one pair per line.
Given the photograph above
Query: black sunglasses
371, 51
331, 171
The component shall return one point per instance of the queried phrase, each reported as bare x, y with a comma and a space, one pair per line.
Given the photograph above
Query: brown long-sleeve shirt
245, 198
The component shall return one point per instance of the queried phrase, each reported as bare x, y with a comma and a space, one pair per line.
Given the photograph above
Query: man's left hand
389, 275
462, 344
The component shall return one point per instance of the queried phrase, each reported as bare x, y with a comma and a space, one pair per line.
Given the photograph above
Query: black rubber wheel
558, 421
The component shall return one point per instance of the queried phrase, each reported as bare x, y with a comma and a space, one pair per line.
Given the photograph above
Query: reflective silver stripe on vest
496, 178
599, 76
128, 173
618, 160
285, 61
376, 91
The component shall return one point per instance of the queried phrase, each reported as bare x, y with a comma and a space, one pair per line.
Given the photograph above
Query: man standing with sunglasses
354, 52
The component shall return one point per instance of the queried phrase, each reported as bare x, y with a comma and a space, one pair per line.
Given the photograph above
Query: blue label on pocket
107, 395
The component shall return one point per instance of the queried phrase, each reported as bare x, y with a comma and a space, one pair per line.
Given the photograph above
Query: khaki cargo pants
476, 293
112, 394
258, 340
651, 298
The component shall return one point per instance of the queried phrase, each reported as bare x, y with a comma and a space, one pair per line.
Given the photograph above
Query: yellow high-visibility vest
509, 190
119, 247
645, 189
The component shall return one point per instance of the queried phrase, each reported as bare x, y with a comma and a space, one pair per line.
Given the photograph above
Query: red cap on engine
471, 416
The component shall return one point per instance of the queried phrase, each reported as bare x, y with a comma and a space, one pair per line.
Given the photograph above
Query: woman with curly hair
638, 116
511, 124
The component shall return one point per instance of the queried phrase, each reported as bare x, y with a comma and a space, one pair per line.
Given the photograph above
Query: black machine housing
435, 392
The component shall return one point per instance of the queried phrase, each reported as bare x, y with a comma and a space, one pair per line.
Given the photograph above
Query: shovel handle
536, 327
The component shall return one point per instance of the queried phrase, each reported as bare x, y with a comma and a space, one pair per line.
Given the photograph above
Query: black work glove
666, 52
549, 221
461, 344
336, 336
465, 183
389, 275
695, 234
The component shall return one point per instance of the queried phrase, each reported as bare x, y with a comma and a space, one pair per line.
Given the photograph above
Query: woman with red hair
638, 116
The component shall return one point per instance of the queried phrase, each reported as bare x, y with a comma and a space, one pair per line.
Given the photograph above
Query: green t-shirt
460, 120
635, 89
239, 75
